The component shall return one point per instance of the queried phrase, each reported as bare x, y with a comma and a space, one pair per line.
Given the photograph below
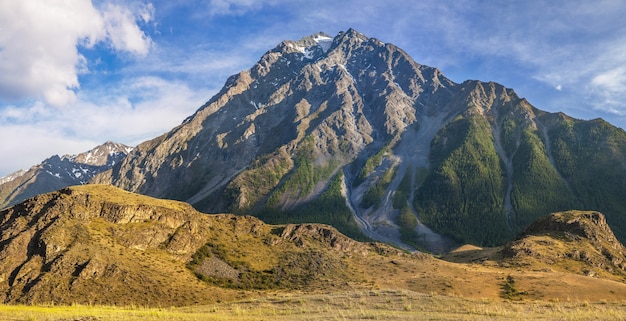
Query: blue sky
77, 73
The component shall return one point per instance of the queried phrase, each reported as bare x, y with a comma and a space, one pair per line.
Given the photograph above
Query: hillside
575, 241
572, 242
97, 244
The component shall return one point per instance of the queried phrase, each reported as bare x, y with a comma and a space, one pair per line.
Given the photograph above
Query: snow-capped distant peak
102, 155
12, 176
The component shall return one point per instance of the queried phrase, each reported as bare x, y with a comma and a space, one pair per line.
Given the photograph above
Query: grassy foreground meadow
353, 305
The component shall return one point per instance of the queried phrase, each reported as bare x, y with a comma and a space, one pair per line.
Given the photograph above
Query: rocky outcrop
57, 246
299, 233
580, 236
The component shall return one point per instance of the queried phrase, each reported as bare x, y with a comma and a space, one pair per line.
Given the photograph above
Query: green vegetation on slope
304, 176
376, 192
462, 196
407, 221
218, 265
329, 208
558, 163
259, 180
370, 165
590, 155
537, 187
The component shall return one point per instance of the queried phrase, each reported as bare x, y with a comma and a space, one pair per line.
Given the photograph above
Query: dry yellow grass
352, 305
112, 194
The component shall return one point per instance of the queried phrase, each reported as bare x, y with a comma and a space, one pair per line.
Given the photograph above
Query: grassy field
355, 305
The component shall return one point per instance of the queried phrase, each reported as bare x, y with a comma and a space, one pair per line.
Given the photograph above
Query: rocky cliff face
58, 172
350, 131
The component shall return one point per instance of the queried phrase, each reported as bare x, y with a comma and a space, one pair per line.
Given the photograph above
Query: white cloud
38, 44
613, 80
122, 30
146, 12
233, 7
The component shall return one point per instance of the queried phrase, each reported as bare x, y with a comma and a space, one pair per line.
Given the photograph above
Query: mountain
95, 244
352, 132
58, 172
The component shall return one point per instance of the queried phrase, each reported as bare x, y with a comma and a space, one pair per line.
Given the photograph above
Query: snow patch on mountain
323, 41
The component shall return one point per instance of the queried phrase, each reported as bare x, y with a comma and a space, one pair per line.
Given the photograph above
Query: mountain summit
352, 132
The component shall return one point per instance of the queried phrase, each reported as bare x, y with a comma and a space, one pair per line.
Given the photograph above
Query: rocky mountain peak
57, 172
107, 154
320, 39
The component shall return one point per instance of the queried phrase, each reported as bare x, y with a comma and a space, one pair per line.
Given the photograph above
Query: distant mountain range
352, 132
58, 172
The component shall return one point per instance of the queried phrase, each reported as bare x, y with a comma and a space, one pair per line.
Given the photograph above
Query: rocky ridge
58, 172
579, 242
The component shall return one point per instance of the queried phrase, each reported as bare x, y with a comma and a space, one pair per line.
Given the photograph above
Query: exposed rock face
299, 232
100, 244
350, 131
58, 172
577, 224
582, 236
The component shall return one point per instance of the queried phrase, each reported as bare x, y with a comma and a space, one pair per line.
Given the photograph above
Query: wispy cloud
198, 65
130, 112
577, 45
233, 7
122, 31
